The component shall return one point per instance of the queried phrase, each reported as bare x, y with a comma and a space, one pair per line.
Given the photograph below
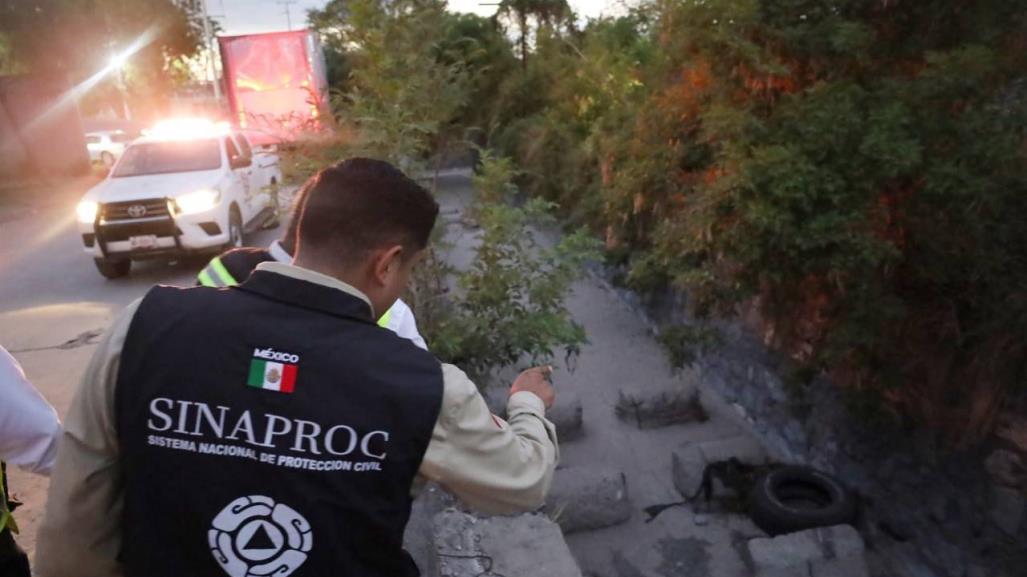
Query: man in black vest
274, 428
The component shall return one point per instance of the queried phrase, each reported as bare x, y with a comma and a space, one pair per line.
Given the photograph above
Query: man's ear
387, 263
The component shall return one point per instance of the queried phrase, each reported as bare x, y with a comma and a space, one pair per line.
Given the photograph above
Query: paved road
54, 304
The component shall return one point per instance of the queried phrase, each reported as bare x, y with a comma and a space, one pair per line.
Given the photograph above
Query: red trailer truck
276, 83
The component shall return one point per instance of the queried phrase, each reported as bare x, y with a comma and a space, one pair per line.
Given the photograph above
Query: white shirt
29, 427
401, 318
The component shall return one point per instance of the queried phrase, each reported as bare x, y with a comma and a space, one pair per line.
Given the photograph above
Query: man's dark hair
359, 205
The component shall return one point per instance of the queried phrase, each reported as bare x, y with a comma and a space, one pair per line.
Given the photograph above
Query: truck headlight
87, 211
199, 201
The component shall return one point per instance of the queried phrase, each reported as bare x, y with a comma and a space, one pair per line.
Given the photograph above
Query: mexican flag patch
273, 375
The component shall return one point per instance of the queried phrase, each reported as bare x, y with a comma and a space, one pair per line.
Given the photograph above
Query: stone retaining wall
929, 513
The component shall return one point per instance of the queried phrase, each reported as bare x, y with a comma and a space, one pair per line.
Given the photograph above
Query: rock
1006, 468
584, 498
701, 520
744, 448
1007, 510
686, 466
523, 546
567, 415
825, 552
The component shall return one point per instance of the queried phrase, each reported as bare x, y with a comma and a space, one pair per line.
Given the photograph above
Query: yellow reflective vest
6, 520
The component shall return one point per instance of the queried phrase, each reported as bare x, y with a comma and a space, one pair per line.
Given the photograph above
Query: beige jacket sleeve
81, 531
492, 465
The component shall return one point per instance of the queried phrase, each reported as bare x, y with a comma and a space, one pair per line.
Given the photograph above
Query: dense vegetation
849, 175
416, 73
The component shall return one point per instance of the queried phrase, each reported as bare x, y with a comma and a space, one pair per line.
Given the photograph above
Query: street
54, 305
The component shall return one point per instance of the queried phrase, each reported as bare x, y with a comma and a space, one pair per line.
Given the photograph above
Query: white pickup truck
184, 188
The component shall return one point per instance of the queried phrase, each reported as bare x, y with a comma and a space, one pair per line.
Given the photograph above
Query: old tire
111, 268
793, 498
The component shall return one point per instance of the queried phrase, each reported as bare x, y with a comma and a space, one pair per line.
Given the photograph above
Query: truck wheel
112, 268
107, 159
236, 235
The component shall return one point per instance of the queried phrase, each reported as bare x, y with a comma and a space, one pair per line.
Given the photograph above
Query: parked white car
185, 187
107, 146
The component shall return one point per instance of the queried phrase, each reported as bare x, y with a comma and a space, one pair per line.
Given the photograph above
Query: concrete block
567, 415
840, 541
824, 552
785, 551
854, 566
418, 539
583, 498
688, 462
523, 546
660, 410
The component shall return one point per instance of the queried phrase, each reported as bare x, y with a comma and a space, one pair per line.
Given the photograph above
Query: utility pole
288, 11
208, 36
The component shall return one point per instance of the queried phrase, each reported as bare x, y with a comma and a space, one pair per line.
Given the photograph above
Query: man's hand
536, 381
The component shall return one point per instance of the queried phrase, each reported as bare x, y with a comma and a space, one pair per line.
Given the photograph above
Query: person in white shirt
29, 429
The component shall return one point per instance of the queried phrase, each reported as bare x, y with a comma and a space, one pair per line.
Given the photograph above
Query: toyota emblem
137, 210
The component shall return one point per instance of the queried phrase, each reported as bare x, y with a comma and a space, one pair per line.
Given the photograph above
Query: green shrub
509, 304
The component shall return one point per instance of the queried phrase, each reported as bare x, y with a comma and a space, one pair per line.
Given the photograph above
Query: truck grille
120, 232
133, 209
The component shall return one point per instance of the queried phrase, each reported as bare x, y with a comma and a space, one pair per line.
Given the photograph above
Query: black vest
269, 427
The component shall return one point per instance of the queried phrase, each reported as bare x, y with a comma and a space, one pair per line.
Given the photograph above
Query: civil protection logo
255, 537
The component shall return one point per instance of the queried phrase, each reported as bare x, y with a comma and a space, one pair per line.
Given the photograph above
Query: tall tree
78, 37
543, 12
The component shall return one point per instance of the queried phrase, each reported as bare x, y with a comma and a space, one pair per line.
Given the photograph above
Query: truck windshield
172, 156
